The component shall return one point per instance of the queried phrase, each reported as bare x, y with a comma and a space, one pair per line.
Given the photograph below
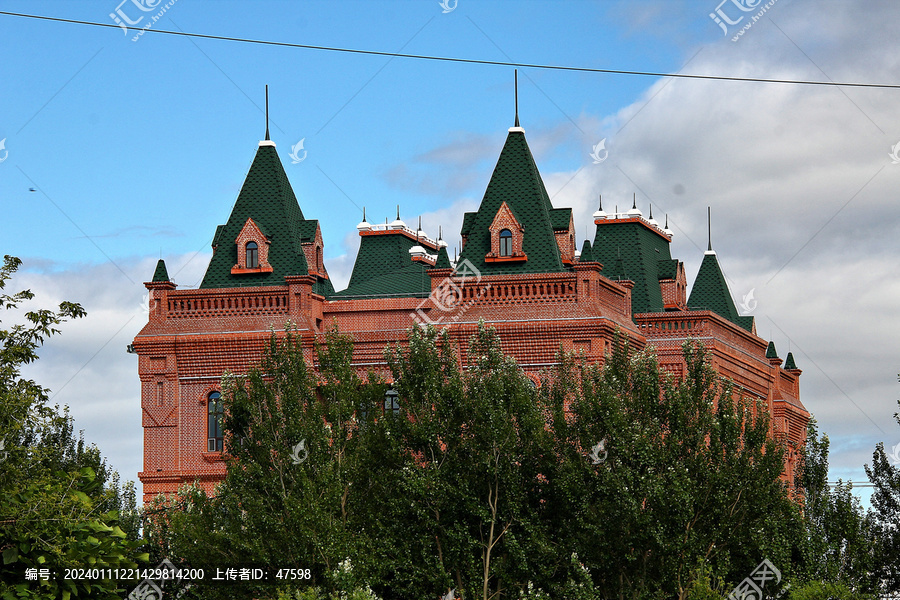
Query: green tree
59, 503
285, 498
687, 474
885, 476
476, 480
840, 541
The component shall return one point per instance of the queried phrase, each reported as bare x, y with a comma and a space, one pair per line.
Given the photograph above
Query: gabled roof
517, 182
383, 268
267, 198
710, 292
160, 274
640, 252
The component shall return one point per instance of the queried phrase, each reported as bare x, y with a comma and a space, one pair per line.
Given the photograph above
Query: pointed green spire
517, 182
710, 292
443, 259
789, 363
161, 274
268, 199
587, 255
770, 351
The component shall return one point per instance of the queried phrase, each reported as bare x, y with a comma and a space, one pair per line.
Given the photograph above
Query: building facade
519, 270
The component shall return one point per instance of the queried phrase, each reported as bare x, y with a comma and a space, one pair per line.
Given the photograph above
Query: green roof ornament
587, 254
789, 363
770, 351
443, 259
161, 274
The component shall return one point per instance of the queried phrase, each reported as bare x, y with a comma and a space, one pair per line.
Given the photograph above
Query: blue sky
137, 149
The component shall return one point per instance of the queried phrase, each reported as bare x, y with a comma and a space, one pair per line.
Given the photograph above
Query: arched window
506, 243
214, 439
318, 259
252, 255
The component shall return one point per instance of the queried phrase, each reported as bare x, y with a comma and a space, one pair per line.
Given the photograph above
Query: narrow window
252, 255
214, 411
391, 402
506, 243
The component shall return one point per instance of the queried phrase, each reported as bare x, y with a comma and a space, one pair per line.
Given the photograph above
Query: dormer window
506, 239
252, 251
252, 255
507, 236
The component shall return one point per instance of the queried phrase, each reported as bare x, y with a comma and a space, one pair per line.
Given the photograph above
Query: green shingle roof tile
443, 259
267, 198
641, 252
560, 218
587, 255
517, 182
468, 219
710, 292
308, 230
383, 268
160, 274
789, 361
667, 269
770, 351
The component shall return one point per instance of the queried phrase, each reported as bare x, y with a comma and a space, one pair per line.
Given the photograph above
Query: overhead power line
472, 61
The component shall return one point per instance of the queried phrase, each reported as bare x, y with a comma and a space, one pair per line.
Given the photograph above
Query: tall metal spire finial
634, 200
267, 111
516, 75
601, 202
709, 229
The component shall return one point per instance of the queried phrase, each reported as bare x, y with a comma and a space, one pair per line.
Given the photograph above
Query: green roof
383, 268
630, 250
160, 274
667, 269
267, 198
443, 259
517, 182
587, 254
789, 361
770, 351
468, 220
560, 218
710, 292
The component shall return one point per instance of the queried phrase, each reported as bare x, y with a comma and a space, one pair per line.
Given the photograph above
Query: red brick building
518, 270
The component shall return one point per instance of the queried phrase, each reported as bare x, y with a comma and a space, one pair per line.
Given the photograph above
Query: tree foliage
483, 483
60, 505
